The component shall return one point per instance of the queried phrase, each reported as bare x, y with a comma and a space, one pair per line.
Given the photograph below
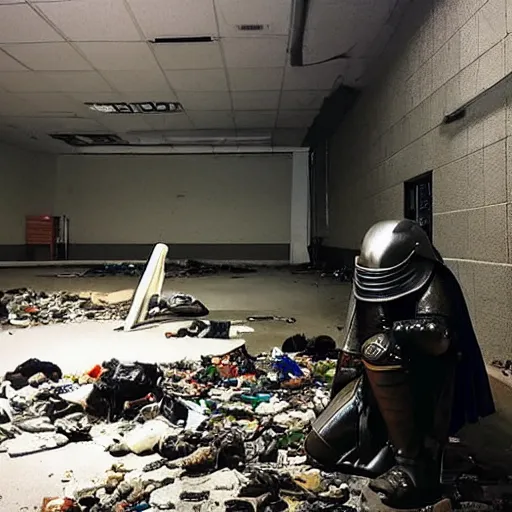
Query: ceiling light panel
92, 20
48, 56
264, 52
20, 24
189, 56
143, 107
274, 15
174, 18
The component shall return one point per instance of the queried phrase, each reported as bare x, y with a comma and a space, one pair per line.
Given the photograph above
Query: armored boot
415, 408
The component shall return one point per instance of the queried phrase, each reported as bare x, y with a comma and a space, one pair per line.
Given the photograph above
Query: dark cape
472, 397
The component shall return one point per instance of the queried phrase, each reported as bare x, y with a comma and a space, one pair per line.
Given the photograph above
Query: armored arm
349, 365
430, 330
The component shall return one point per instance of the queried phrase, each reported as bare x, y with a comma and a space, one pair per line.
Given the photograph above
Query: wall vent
252, 27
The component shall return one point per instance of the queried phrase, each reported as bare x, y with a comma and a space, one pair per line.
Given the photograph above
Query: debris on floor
504, 366
228, 432
187, 268
25, 307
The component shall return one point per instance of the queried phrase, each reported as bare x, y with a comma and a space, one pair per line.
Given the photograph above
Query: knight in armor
410, 372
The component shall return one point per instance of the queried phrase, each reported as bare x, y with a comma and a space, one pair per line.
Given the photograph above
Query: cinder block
469, 42
509, 231
493, 329
427, 150
475, 175
469, 82
488, 234
495, 173
440, 22
466, 277
495, 125
493, 283
509, 16
475, 128
492, 24
508, 54
438, 107
440, 67
451, 234
453, 265
509, 169
468, 8
450, 187
491, 67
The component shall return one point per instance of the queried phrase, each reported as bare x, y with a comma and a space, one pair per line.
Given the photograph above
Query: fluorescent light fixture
104, 108
143, 107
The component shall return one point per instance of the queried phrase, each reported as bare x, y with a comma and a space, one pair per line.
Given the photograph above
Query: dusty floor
318, 304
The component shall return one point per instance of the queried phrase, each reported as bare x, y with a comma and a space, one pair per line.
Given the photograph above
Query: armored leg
409, 402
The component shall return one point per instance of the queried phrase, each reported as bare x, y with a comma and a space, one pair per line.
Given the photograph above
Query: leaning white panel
150, 284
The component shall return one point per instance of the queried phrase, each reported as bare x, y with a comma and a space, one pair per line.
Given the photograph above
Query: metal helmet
396, 259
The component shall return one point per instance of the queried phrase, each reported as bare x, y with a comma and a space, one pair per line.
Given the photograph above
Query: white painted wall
26, 188
219, 199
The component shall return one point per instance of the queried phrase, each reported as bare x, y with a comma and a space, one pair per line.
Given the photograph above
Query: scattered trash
266, 318
504, 366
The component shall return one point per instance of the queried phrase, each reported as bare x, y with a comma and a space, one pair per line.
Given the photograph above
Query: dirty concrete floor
318, 304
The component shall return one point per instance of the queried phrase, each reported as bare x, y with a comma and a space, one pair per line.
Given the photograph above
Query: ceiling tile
168, 121
137, 81
264, 52
295, 118
275, 13
164, 18
255, 100
205, 100
77, 81
10, 104
204, 120
20, 24
53, 102
48, 56
92, 20
255, 79
7, 63
147, 95
255, 119
98, 97
26, 81
56, 124
189, 56
120, 123
298, 100
198, 80
323, 76
119, 56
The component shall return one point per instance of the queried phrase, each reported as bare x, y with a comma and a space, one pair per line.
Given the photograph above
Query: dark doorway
418, 201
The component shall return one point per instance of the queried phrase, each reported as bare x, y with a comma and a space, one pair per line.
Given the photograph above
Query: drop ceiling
56, 55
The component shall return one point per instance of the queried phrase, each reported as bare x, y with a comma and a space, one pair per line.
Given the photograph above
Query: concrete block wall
444, 53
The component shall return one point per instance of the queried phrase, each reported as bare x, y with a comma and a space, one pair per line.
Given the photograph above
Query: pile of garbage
504, 366
23, 307
226, 433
